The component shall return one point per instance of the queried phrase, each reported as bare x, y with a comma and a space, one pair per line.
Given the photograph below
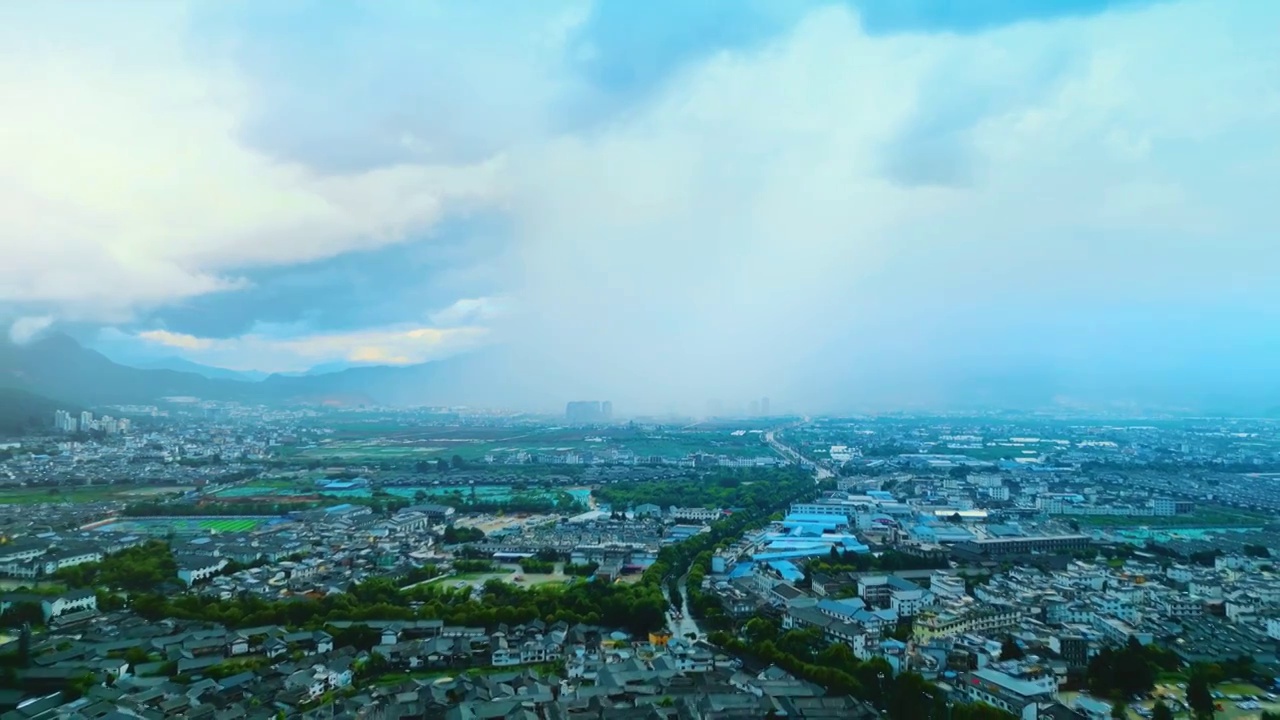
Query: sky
834, 204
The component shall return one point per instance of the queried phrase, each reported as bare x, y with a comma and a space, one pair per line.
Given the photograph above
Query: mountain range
57, 366
21, 410
57, 371
214, 373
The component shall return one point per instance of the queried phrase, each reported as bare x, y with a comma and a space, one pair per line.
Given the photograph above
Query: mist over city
842, 206
639, 360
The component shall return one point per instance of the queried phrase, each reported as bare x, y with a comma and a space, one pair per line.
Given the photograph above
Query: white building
59, 559
1016, 694
197, 568
75, 601
696, 514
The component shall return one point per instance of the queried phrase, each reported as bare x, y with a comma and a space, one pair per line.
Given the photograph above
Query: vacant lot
16, 495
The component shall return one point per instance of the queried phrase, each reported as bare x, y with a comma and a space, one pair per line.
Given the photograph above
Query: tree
1117, 710
1010, 650
1198, 697
1161, 711
457, 462
136, 656
24, 646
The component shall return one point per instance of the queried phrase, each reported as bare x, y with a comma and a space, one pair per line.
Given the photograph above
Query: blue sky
679, 190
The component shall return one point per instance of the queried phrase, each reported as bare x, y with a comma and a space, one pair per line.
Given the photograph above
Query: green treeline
637, 607
139, 569
805, 654
752, 489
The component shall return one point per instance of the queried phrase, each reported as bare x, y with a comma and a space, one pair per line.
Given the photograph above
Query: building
930, 624
1273, 628
696, 514
588, 411
64, 421
995, 547
60, 558
76, 601
1163, 506
197, 568
1013, 690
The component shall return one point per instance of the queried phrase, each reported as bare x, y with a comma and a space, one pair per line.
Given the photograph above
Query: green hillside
21, 411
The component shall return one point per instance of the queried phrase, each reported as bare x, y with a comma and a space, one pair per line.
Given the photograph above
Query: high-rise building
764, 406
86, 420
64, 421
753, 408
588, 411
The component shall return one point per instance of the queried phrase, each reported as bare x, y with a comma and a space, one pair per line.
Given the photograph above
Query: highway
820, 472
683, 624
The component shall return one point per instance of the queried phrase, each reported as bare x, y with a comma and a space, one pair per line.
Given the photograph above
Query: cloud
125, 184
181, 341
25, 329
399, 345
468, 311
802, 208
836, 215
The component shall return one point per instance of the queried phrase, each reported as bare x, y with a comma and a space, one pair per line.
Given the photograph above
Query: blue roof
787, 570
812, 529
847, 606
816, 519
742, 569
339, 508
791, 554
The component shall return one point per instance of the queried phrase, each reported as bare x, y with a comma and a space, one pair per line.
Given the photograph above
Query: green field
1201, 518
153, 525
473, 444
81, 494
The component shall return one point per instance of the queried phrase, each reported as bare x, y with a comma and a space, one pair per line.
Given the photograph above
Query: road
685, 624
820, 472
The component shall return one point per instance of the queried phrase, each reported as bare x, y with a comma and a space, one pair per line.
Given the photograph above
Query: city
187, 560
639, 360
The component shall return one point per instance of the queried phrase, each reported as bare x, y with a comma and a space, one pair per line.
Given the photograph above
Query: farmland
184, 525
35, 495
475, 443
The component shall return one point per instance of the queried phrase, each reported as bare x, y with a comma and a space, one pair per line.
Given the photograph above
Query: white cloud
398, 345
25, 329
910, 199
831, 201
470, 311
124, 183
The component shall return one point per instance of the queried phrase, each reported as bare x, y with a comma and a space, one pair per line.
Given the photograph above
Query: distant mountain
21, 411
58, 366
214, 373
321, 369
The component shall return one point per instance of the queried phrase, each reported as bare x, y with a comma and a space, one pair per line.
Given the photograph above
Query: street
820, 472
